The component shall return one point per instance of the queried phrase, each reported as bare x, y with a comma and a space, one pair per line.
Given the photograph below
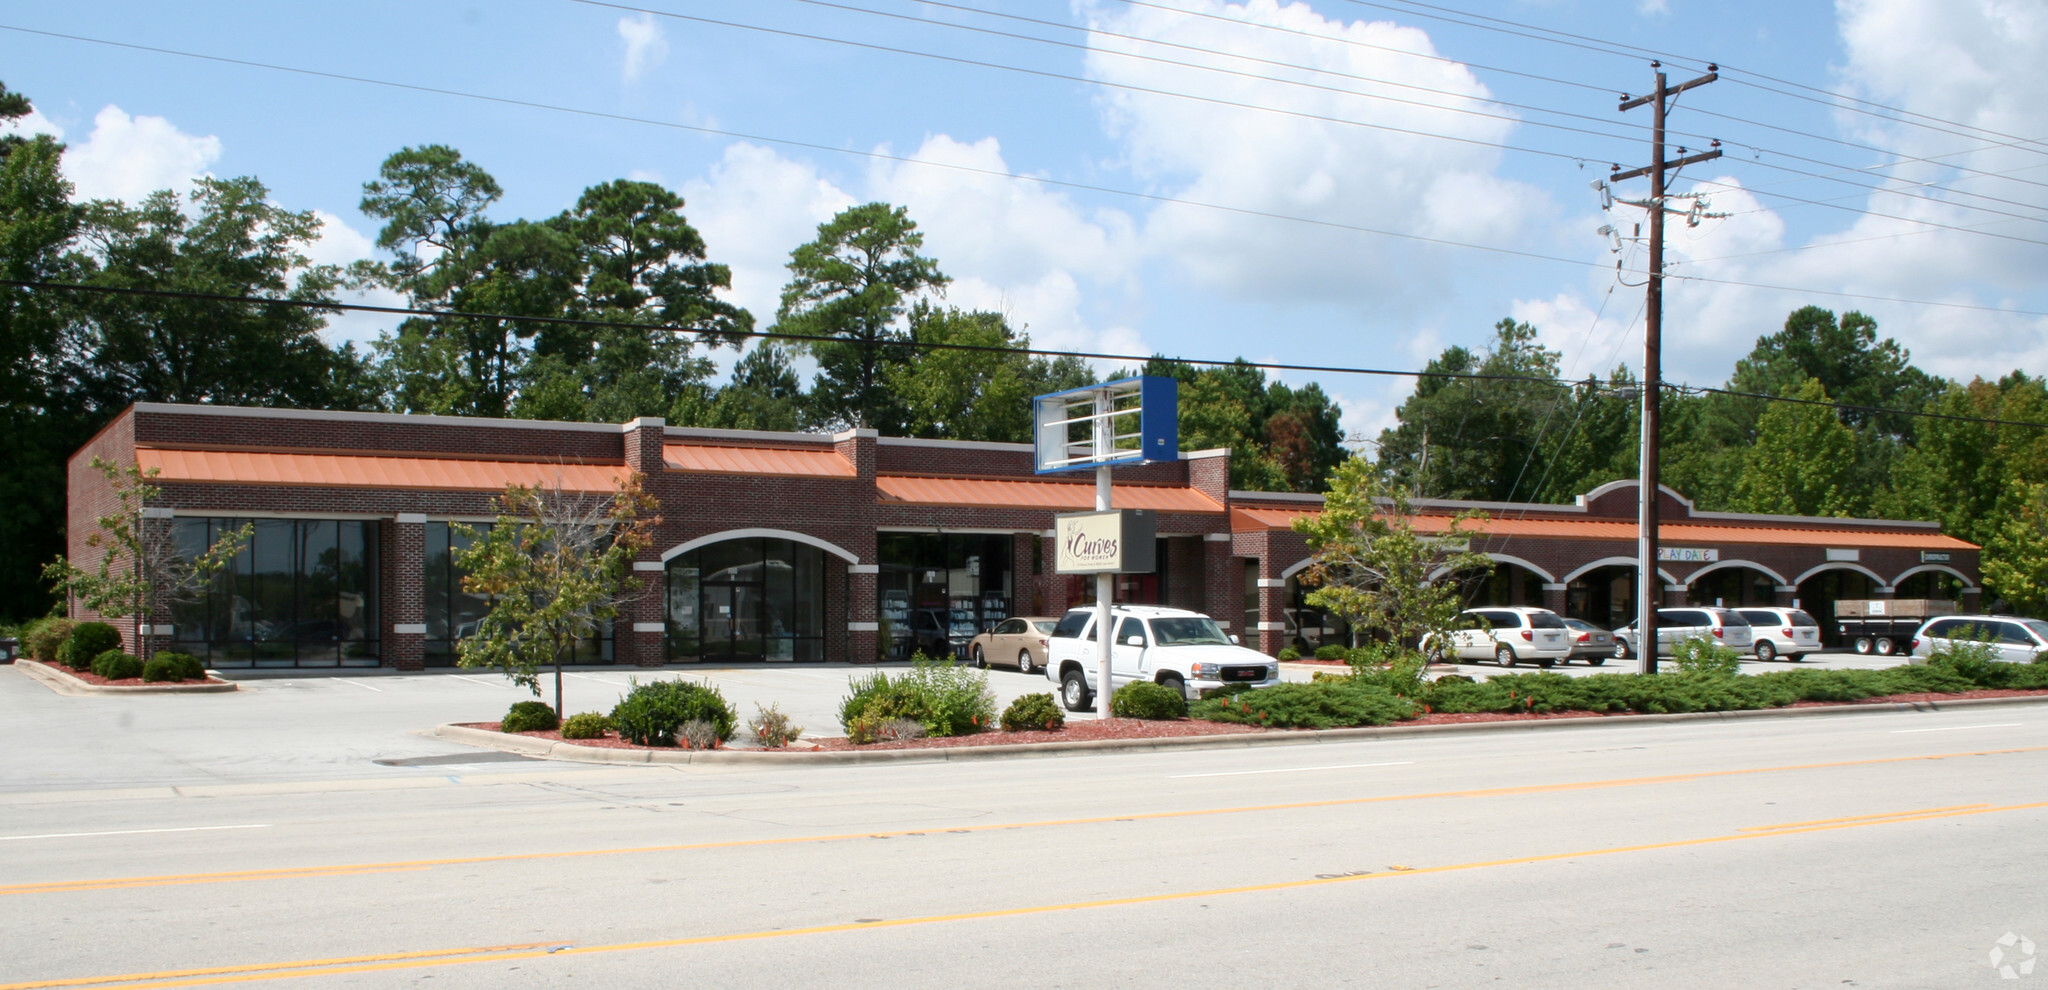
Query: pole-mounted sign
1125, 422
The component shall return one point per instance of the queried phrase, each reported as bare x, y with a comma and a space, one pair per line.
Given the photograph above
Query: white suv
1183, 650
1724, 626
1509, 635
1782, 632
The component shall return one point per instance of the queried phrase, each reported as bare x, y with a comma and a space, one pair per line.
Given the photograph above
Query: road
1888, 850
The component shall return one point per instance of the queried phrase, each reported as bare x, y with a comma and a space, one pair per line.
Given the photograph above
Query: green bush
87, 641
586, 725
771, 728
1146, 700
1034, 712
1335, 702
1330, 651
1976, 661
529, 716
1289, 653
168, 666
43, 637
1698, 656
650, 714
115, 665
945, 697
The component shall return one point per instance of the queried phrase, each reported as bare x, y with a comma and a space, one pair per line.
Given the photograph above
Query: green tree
958, 394
1480, 438
851, 285
555, 565
764, 394
142, 569
1377, 565
1279, 438
1803, 462
2015, 560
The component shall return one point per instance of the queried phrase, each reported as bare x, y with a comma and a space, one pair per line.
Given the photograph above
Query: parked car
2018, 640
1589, 642
1509, 635
1674, 625
1019, 639
1183, 650
1782, 632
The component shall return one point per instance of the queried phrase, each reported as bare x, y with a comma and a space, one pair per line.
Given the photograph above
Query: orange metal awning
756, 460
1058, 495
344, 471
1253, 519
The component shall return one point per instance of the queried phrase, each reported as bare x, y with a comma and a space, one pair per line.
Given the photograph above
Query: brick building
786, 546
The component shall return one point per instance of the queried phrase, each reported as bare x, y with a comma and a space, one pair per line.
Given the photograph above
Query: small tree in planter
555, 565
1373, 566
142, 569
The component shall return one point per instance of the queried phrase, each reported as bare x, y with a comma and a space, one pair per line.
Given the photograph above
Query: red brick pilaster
403, 606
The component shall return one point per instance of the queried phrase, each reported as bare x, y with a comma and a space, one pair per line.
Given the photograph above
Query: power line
318, 305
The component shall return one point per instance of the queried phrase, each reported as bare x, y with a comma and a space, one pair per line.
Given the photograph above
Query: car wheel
1504, 655
1173, 681
1595, 661
1074, 691
1620, 649
979, 660
1765, 651
1024, 663
1863, 644
1884, 646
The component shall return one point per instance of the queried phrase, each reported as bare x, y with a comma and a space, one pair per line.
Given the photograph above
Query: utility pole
1649, 588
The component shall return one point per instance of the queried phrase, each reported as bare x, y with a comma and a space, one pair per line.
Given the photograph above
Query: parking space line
353, 683
1244, 773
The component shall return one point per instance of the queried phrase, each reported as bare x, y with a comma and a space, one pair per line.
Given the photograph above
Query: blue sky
1099, 270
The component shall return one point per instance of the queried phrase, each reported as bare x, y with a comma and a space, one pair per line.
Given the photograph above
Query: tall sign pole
1649, 587
1105, 583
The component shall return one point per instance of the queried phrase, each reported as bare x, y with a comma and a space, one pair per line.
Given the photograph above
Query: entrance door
732, 622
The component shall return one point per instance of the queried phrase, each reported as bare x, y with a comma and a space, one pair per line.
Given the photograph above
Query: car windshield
2040, 628
1071, 625
1188, 630
1043, 627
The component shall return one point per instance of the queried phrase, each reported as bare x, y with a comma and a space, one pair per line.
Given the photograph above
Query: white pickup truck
1183, 650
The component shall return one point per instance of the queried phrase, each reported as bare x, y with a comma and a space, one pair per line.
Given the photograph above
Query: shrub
1146, 700
772, 728
586, 725
698, 733
44, 637
1035, 711
1325, 704
87, 641
529, 716
115, 665
1699, 656
650, 714
866, 729
1976, 662
186, 666
945, 697
1330, 651
1289, 653
1398, 671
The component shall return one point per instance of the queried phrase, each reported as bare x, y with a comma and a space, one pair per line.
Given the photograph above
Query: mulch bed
1131, 728
91, 678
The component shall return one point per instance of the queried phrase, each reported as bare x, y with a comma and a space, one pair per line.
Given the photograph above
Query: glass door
732, 622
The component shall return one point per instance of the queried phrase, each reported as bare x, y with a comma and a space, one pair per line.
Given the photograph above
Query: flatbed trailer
1885, 626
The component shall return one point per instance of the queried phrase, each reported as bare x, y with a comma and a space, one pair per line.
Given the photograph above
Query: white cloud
128, 158
32, 124
1653, 8
1298, 166
754, 207
646, 46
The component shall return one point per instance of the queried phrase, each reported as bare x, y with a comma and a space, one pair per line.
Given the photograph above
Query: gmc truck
1180, 649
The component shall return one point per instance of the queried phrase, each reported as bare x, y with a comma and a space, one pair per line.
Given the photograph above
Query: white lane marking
126, 831
353, 683
474, 680
1240, 773
1952, 728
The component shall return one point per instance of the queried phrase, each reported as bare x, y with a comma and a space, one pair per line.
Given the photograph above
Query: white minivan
1509, 635
1781, 632
1724, 626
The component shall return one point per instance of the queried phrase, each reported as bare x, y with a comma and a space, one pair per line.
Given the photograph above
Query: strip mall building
793, 547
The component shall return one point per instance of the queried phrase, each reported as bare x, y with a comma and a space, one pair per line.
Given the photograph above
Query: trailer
1885, 626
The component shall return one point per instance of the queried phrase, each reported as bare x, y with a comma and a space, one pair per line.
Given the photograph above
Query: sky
1332, 182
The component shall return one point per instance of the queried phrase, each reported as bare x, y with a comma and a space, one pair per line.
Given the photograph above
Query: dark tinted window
1730, 619
1009, 627
1802, 619
1128, 627
1504, 620
2010, 632
1545, 620
1071, 625
1759, 617
1682, 617
1940, 628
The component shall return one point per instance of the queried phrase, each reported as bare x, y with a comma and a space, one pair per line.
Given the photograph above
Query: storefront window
452, 613
302, 593
752, 599
940, 590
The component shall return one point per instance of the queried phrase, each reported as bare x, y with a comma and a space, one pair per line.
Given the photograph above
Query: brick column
1026, 597
1972, 601
863, 579
863, 623
1553, 597
639, 634
1674, 595
1222, 583
403, 608
1783, 595
1272, 607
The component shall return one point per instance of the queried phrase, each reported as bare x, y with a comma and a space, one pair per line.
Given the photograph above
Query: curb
551, 750
63, 683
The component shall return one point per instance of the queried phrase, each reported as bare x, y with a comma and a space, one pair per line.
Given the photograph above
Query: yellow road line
454, 957
1857, 818
292, 873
